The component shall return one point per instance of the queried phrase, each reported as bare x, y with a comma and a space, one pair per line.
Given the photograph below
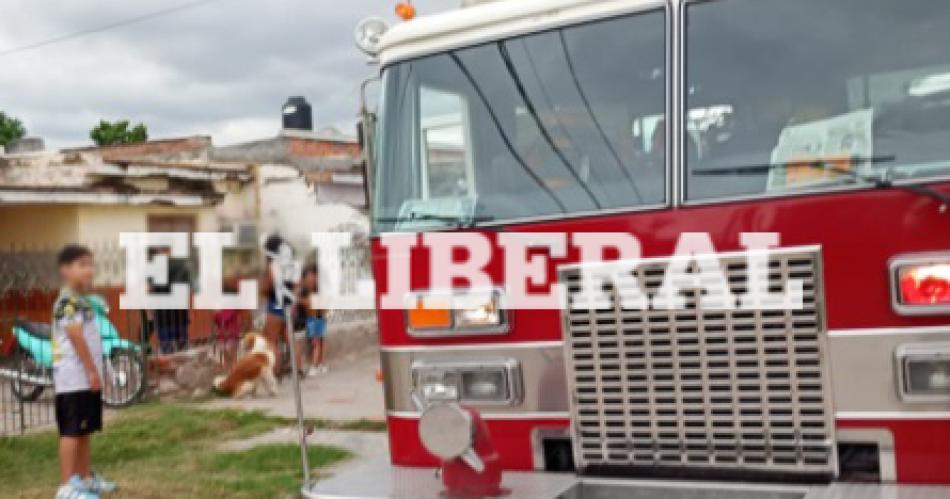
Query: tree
112, 133
11, 129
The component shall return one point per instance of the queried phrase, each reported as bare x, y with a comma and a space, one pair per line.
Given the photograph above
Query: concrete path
348, 392
363, 444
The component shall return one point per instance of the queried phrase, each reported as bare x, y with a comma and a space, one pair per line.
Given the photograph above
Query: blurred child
314, 321
77, 376
274, 319
172, 325
228, 326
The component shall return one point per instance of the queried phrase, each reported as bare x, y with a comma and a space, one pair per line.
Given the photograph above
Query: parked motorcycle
123, 368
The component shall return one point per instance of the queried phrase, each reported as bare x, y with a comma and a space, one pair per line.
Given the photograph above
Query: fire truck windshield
566, 121
779, 97
863, 86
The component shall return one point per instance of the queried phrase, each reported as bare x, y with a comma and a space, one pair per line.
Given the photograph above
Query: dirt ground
348, 392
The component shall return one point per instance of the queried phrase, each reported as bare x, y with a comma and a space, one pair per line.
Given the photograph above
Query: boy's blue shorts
316, 327
274, 310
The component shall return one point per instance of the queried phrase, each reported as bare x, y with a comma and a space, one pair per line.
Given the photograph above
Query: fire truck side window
567, 121
446, 145
789, 96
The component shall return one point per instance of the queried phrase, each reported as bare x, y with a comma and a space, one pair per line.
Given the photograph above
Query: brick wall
320, 148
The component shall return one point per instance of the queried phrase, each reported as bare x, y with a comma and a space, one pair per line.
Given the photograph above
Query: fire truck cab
825, 123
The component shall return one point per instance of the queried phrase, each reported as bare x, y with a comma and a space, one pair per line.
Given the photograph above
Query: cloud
222, 68
235, 131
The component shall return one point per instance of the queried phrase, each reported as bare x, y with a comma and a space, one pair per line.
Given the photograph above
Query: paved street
365, 445
348, 392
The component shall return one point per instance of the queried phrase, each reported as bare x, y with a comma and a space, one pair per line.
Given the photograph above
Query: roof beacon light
406, 11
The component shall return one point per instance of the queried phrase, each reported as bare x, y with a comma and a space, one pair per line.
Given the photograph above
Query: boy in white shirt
77, 376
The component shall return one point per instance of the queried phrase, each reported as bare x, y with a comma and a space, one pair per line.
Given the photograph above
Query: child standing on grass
77, 376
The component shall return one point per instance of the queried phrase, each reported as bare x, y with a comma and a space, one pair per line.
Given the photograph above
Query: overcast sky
221, 68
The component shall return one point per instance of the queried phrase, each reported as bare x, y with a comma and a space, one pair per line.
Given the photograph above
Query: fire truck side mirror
365, 134
364, 137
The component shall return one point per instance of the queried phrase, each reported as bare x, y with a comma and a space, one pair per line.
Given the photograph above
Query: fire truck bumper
381, 480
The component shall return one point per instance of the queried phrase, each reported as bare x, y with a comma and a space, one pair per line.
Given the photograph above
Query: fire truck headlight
461, 312
921, 283
924, 371
490, 382
485, 385
436, 386
479, 311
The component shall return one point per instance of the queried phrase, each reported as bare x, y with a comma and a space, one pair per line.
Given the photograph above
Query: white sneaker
65, 491
75, 489
313, 371
323, 369
100, 485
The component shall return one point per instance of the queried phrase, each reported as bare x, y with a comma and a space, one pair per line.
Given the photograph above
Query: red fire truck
826, 122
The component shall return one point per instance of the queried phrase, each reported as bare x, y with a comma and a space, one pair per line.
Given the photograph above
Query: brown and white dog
252, 371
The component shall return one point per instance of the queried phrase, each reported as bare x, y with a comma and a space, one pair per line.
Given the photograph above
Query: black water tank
298, 114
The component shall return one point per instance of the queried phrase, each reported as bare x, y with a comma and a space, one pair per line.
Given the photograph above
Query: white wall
289, 207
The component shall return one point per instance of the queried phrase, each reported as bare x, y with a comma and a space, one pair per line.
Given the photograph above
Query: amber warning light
429, 314
406, 11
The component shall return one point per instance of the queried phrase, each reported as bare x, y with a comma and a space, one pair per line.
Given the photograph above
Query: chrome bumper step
380, 480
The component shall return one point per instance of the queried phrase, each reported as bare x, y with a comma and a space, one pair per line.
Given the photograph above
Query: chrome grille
726, 390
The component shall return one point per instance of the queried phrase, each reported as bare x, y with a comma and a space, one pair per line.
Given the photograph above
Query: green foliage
169, 450
10, 129
367, 425
112, 133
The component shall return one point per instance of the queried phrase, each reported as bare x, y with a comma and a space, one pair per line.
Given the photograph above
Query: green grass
169, 450
276, 467
354, 425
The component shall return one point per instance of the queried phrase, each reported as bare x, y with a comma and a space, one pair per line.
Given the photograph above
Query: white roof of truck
493, 21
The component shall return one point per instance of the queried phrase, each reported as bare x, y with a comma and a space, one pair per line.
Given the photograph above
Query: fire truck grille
715, 392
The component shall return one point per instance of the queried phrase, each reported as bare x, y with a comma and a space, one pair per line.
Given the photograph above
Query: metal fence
28, 291
139, 347
21, 405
